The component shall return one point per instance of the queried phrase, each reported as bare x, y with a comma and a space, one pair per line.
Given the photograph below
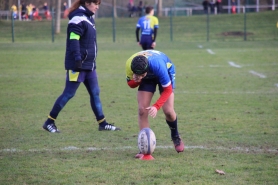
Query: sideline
211, 52
234, 64
257, 74
72, 148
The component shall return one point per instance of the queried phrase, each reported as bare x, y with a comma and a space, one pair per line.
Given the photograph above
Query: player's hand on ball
152, 111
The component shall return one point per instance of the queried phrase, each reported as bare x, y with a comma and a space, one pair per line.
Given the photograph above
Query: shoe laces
53, 125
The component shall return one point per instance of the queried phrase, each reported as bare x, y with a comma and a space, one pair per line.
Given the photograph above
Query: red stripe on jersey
167, 91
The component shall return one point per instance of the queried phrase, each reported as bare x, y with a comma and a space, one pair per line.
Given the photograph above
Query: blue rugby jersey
147, 24
160, 66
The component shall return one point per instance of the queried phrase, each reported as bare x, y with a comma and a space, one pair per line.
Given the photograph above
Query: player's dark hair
148, 9
139, 65
77, 3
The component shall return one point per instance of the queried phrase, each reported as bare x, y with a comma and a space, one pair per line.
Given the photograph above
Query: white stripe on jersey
78, 19
166, 84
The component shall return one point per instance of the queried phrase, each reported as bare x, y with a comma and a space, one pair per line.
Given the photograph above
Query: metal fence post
244, 25
52, 24
171, 24
12, 27
207, 26
113, 25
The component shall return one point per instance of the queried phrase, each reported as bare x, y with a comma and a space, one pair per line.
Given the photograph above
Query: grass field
226, 100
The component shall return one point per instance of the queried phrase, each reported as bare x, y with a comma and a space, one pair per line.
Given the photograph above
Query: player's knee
95, 92
170, 114
69, 95
142, 111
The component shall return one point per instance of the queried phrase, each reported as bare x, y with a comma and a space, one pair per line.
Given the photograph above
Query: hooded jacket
84, 48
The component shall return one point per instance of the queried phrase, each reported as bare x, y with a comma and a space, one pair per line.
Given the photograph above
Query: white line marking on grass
234, 65
211, 52
71, 148
200, 46
9, 150
276, 85
224, 92
257, 74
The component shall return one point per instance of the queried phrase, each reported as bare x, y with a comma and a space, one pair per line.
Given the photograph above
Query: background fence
248, 26
178, 7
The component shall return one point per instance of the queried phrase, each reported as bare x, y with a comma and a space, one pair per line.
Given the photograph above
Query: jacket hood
81, 10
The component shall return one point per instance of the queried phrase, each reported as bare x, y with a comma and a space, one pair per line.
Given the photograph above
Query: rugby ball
146, 141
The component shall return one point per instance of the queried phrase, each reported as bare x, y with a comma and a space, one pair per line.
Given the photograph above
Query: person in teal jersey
148, 25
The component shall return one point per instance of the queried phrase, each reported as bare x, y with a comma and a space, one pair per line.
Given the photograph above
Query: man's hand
152, 111
78, 65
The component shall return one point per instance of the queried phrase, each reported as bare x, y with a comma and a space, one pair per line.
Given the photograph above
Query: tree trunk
159, 8
69, 3
115, 8
18, 10
58, 17
10, 4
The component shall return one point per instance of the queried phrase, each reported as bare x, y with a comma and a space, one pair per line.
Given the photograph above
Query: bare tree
159, 8
10, 3
114, 8
58, 17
